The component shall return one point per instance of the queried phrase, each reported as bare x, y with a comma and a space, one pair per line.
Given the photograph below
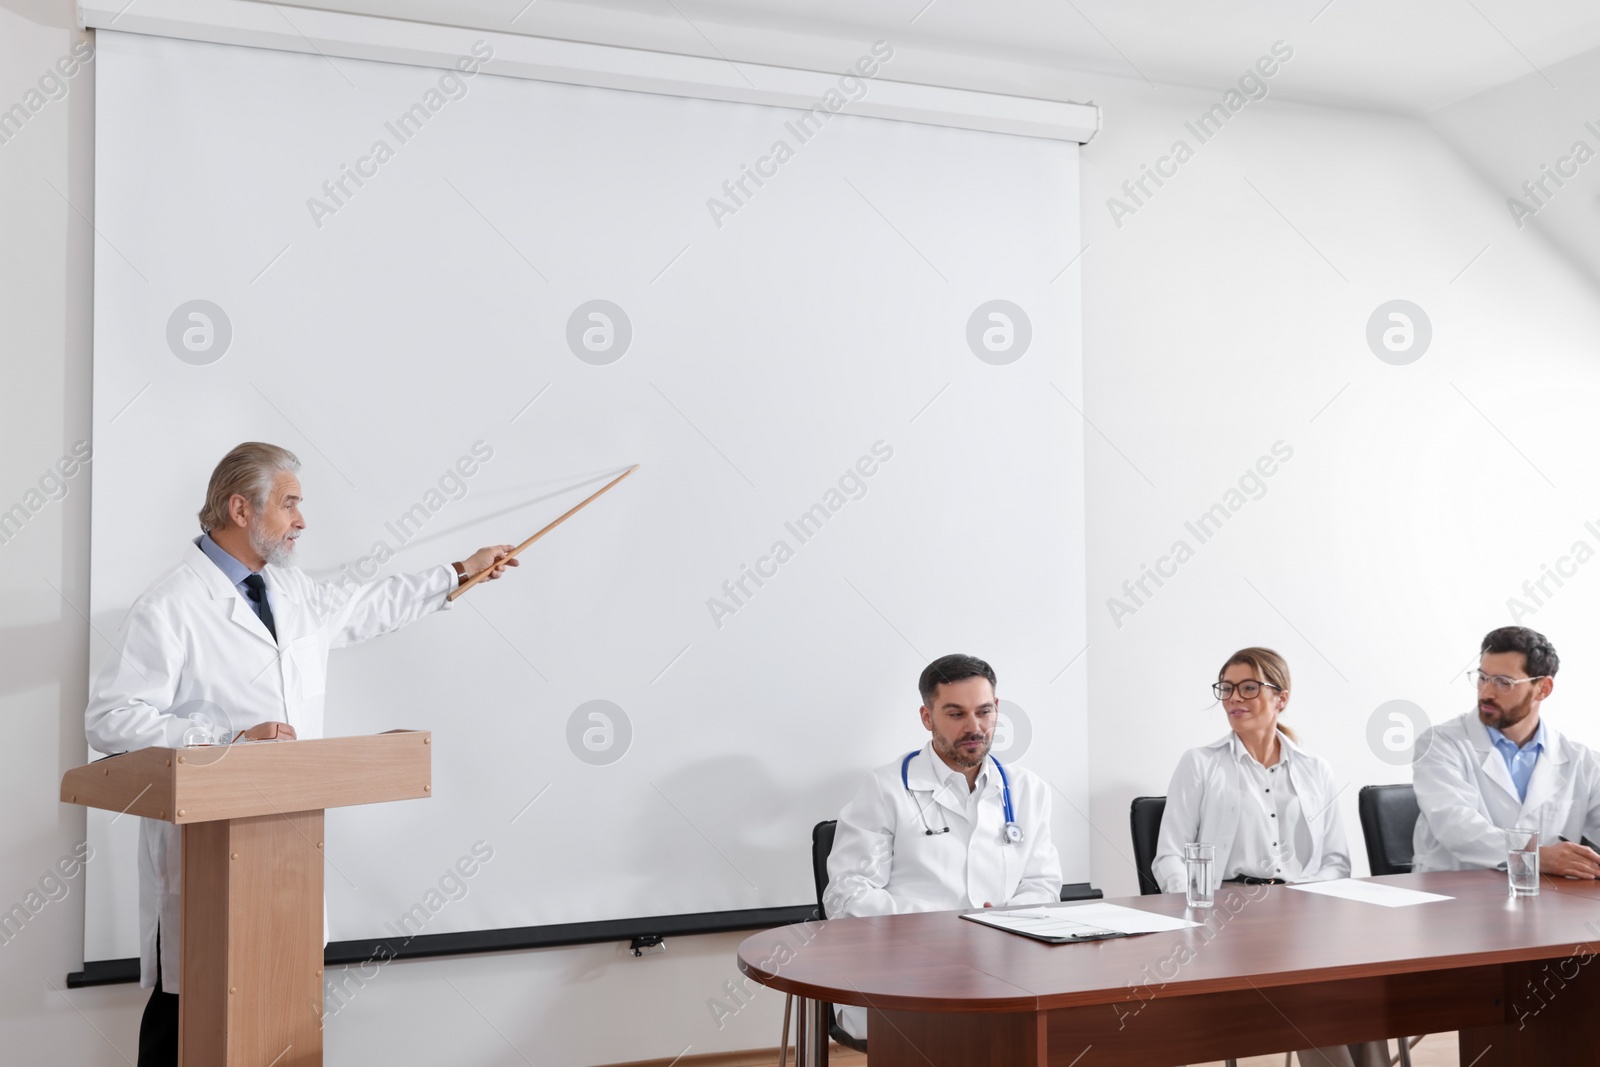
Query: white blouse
1272, 827
1268, 822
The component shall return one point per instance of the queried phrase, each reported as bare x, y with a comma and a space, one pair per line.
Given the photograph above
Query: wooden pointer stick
476, 578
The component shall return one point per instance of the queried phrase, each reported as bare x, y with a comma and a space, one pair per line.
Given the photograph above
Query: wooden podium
251, 976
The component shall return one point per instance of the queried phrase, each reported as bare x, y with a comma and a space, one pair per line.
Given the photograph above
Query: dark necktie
257, 588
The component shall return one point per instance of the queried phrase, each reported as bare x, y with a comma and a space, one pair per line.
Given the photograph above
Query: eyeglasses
1502, 683
1247, 690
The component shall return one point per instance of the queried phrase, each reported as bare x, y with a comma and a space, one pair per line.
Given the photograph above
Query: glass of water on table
1198, 889
1522, 861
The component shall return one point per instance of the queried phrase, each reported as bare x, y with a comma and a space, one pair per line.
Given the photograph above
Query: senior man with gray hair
236, 630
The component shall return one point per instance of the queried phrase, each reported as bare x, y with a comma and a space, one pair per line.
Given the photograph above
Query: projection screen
852, 383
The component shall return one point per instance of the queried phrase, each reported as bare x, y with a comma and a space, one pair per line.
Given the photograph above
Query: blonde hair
248, 470
1269, 667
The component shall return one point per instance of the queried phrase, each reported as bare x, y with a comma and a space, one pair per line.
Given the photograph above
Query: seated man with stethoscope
944, 827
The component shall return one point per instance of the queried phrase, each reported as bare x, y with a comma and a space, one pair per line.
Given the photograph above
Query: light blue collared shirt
1519, 761
237, 572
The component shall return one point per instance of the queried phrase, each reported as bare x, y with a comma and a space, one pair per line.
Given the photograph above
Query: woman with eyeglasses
1267, 805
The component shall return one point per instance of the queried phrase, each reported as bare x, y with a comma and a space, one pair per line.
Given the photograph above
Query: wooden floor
1436, 1050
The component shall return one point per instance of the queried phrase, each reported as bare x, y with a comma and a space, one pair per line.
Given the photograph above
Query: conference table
1272, 969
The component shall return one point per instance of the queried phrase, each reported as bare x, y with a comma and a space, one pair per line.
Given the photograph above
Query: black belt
1250, 879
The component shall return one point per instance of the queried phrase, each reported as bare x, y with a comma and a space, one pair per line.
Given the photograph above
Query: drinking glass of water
1197, 860
204, 730
1522, 861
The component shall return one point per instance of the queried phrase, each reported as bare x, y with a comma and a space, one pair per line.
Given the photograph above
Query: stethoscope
1011, 834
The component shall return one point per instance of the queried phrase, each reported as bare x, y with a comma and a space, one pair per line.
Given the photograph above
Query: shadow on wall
726, 806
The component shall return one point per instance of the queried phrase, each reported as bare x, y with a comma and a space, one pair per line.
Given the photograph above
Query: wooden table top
1256, 936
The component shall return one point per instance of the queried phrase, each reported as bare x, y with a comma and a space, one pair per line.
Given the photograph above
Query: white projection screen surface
823, 368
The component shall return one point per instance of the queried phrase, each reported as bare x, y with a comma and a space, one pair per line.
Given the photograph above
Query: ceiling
1411, 57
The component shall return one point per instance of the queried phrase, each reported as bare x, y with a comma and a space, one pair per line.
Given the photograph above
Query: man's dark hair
1537, 651
952, 668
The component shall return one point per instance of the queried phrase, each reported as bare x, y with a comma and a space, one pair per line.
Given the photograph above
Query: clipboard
1049, 929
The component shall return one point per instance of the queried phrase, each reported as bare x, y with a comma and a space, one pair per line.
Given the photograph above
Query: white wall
1389, 542
44, 639
1229, 313
44, 642
1525, 132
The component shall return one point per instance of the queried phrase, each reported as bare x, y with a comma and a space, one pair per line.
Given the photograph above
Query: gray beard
276, 552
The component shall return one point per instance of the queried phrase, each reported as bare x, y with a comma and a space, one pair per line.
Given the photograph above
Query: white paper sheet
1389, 896
1108, 917
1039, 923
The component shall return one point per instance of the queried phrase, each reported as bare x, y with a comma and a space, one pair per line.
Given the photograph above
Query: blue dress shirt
237, 572
1519, 761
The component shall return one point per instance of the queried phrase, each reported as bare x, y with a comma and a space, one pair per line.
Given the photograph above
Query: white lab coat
883, 863
192, 636
1203, 805
1467, 796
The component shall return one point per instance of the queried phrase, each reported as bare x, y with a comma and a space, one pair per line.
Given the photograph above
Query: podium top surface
210, 783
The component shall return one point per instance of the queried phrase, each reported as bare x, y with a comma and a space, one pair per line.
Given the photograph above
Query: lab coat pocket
307, 661
1553, 816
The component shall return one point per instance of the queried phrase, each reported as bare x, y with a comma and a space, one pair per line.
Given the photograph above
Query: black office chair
1145, 822
821, 848
1388, 819
1389, 816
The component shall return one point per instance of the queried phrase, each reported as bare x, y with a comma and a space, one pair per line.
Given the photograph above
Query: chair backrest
1388, 818
821, 846
1145, 821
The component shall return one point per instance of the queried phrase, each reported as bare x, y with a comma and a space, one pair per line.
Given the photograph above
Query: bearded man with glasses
1501, 767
